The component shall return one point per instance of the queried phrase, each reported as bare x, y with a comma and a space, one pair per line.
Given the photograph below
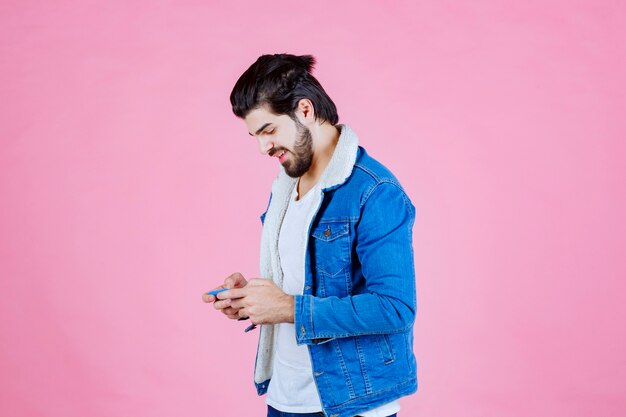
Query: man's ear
305, 111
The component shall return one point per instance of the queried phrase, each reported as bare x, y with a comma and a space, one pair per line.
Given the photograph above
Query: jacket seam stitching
372, 188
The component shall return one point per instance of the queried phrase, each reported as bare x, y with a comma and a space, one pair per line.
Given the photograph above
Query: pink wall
128, 189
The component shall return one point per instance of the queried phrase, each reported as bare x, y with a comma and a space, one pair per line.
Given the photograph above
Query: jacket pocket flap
330, 231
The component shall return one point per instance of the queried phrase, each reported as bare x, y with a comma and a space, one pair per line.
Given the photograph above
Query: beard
302, 153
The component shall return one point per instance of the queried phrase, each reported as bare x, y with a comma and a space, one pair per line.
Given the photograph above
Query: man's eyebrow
260, 129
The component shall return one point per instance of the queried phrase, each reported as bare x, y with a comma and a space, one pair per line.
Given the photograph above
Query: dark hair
281, 81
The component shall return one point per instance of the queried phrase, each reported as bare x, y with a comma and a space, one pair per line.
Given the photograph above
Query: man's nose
265, 145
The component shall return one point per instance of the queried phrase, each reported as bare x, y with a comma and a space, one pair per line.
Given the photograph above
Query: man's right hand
236, 280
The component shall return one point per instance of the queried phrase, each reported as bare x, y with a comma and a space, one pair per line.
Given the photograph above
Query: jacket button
327, 232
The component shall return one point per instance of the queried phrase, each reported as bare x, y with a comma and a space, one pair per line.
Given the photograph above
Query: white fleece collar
339, 167
337, 171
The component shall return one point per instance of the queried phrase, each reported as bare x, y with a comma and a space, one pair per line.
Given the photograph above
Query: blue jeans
272, 412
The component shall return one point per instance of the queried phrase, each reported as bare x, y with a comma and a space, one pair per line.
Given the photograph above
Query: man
336, 300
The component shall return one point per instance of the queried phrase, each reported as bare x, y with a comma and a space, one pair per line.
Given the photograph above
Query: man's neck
325, 138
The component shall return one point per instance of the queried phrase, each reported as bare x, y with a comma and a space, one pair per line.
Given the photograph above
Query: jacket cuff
303, 321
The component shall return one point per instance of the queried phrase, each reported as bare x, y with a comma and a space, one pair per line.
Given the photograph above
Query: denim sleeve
385, 249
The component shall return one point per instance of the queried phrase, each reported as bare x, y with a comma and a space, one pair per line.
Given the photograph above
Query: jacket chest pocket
330, 247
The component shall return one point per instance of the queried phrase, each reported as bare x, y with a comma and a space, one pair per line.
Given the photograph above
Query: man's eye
270, 132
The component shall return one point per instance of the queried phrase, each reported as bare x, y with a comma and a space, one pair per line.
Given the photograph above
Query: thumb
255, 282
260, 282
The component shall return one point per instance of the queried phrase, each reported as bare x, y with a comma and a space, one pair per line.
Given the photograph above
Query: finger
222, 304
209, 298
236, 280
237, 303
229, 311
233, 293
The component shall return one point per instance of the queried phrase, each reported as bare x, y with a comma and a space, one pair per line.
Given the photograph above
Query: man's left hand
262, 301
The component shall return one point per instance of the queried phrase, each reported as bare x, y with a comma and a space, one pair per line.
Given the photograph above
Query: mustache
273, 151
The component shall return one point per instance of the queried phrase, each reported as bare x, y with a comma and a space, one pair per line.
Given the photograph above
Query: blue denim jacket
358, 305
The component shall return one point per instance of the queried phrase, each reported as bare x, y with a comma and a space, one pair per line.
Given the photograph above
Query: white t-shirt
292, 387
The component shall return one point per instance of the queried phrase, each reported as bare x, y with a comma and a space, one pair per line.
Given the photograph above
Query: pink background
128, 188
